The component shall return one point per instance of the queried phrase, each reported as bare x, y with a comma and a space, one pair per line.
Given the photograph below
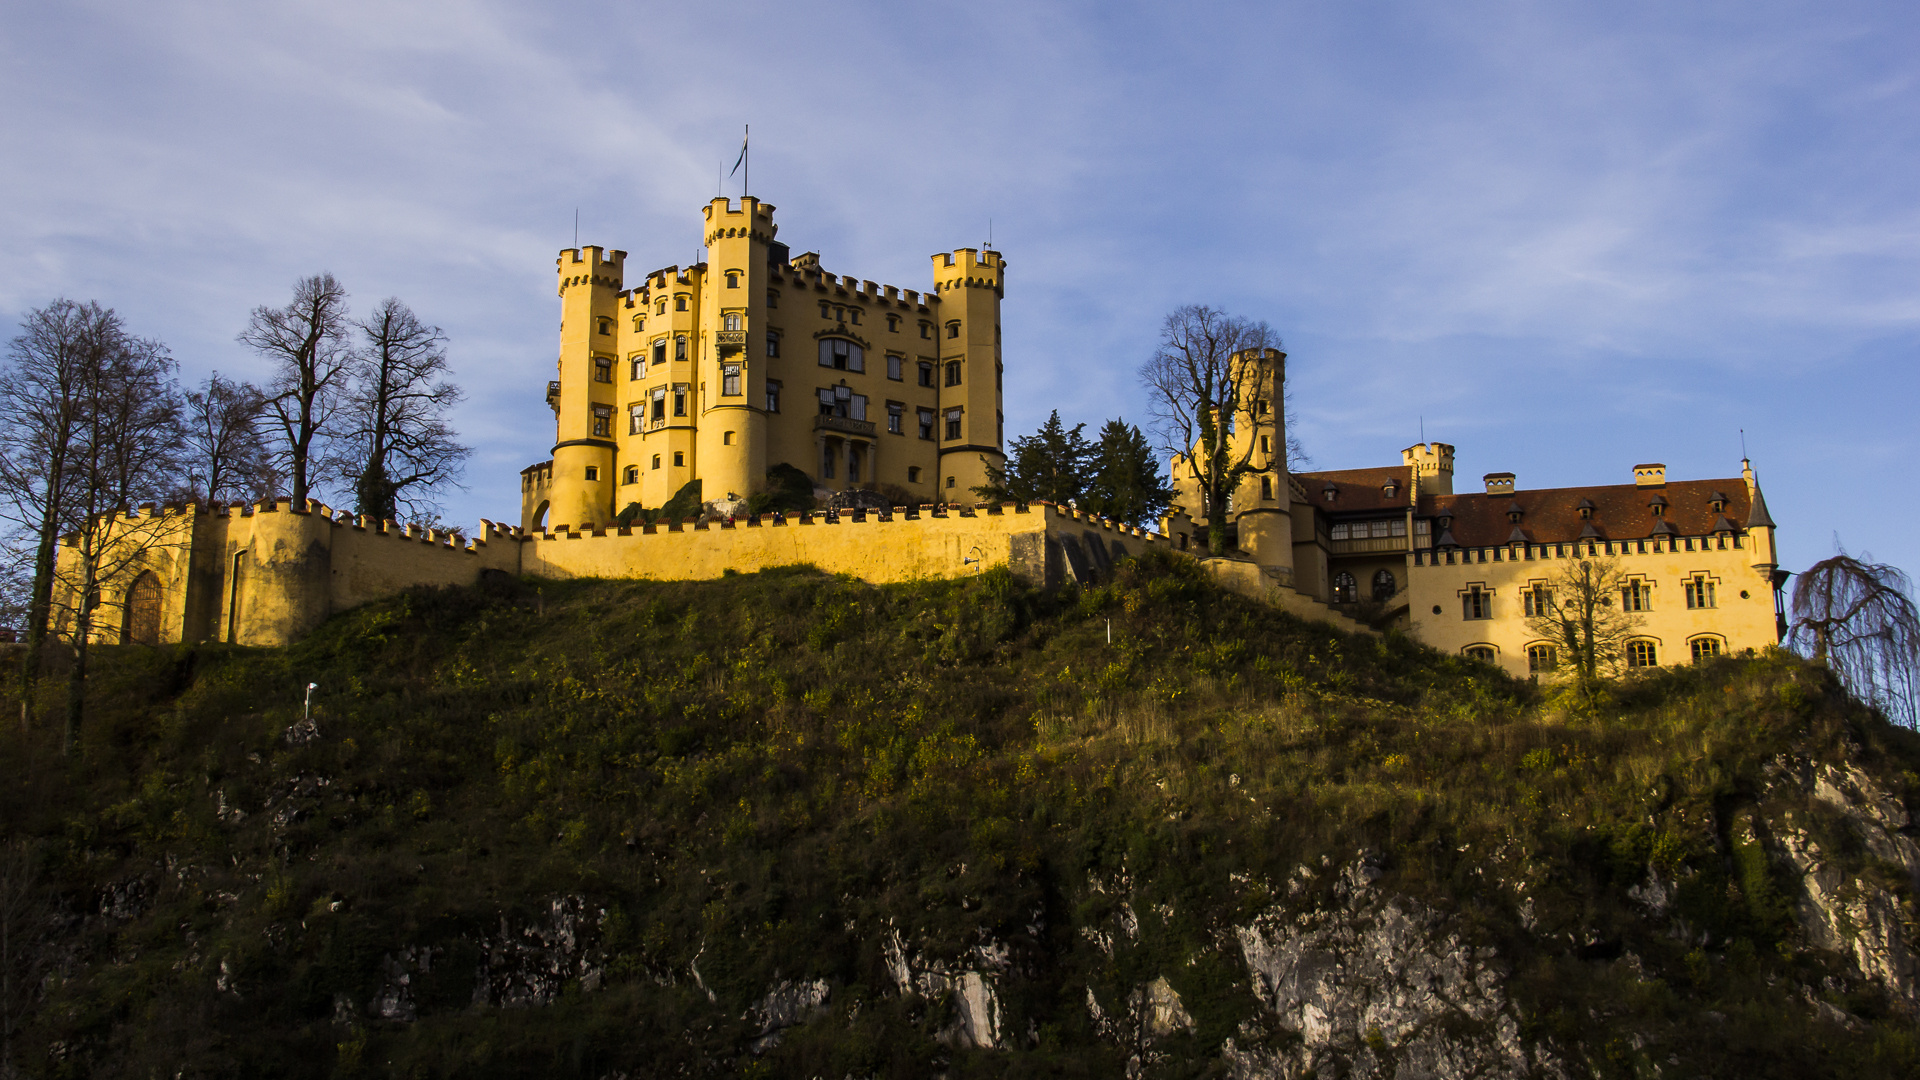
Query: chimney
1499, 483
1654, 475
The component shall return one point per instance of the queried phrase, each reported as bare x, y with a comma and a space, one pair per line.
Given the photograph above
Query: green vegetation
639, 807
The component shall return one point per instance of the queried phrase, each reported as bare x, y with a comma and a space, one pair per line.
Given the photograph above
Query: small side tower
970, 284
1432, 467
1261, 501
731, 435
581, 490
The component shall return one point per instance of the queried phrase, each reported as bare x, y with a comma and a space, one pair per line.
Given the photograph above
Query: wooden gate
143, 611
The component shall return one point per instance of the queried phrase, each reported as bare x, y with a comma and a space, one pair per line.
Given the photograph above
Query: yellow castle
757, 359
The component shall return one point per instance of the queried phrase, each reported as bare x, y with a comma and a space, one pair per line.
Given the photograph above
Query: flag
742, 159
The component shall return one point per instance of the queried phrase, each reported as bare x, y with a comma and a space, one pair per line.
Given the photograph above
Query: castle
757, 359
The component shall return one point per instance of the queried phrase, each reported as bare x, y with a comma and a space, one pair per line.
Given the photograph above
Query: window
1266, 444
660, 351
593, 472
926, 330
1483, 653
1345, 589
1340, 531
773, 298
726, 438
1266, 488
1541, 659
950, 482
632, 475
895, 412
1476, 603
636, 418
733, 279
953, 373
656, 461
679, 458
953, 423
679, 399
893, 324
857, 406
926, 373
661, 308
1260, 407
659, 404
638, 370
1384, 586
1536, 601
1699, 592
730, 321
640, 324
1637, 595
680, 348
913, 474
729, 380
773, 395
926, 423
1640, 654
894, 364
853, 463
680, 302
841, 355
602, 420
827, 454
773, 343
953, 329
606, 325
602, 369
826, 310
1705, 649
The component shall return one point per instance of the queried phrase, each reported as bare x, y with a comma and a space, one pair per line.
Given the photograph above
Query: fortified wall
268, 573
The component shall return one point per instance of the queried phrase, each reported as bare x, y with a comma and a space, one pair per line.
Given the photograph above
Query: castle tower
1431, 465
970, 284
1261, 501
585, 406
730, 440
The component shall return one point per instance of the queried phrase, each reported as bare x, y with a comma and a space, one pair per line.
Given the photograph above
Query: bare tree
393, 445
1858, 617
227, 454
1199, 380
126, 450
306, 342
41, 402
1582, 612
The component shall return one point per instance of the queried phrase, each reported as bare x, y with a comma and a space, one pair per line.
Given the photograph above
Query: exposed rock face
976, 1001
1846, 912
1378, 987
531, 964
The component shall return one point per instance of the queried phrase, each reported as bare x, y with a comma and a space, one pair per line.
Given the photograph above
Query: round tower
1261, 501
580, 491
970, 284
730, 442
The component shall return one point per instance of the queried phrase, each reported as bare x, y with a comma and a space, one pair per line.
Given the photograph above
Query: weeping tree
1858, 618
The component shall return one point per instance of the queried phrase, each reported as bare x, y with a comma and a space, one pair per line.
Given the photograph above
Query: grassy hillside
785, 824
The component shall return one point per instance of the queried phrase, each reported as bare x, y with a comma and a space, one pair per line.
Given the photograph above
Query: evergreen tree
1051, 464
1124, 481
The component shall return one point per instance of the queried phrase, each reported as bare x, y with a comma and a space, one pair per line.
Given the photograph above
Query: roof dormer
1718, 502
1658, 504
1514, 513
1586, 508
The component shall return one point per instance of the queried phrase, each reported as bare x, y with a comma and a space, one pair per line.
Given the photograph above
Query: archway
142, 611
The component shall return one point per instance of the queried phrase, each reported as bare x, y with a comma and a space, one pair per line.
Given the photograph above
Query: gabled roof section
1358, 490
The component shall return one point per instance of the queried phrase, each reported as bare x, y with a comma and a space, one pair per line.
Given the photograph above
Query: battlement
809, 273
969, 268
753, 220
590, 265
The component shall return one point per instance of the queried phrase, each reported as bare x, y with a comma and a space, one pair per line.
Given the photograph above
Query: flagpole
746, 160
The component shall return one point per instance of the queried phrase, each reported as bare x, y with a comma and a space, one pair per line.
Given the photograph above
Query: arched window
730, 321
1641, 654
841, 355
1345, 589
1541, 659
733, 279
633, 474
680, 302
1705, 649
1483, 653
1383, 585
143, 611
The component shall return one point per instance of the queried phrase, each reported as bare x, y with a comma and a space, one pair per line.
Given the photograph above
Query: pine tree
1052, 464
1125, 482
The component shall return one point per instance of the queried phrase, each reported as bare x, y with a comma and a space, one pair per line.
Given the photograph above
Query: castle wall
1740, 622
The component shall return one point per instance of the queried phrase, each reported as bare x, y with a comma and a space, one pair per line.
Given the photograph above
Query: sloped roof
1357, 490
1621, 511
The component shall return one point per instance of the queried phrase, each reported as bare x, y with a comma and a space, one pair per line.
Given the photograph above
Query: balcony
1366, 545
843, 423
730, 337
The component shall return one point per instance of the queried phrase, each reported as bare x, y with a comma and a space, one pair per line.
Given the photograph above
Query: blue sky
1566, 237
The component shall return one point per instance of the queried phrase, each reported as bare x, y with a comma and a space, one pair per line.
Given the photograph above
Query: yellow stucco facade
757, 357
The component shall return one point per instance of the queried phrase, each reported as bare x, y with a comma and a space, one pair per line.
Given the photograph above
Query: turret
970, 284
1261, 505
731, 375
1432, 467
585, 401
